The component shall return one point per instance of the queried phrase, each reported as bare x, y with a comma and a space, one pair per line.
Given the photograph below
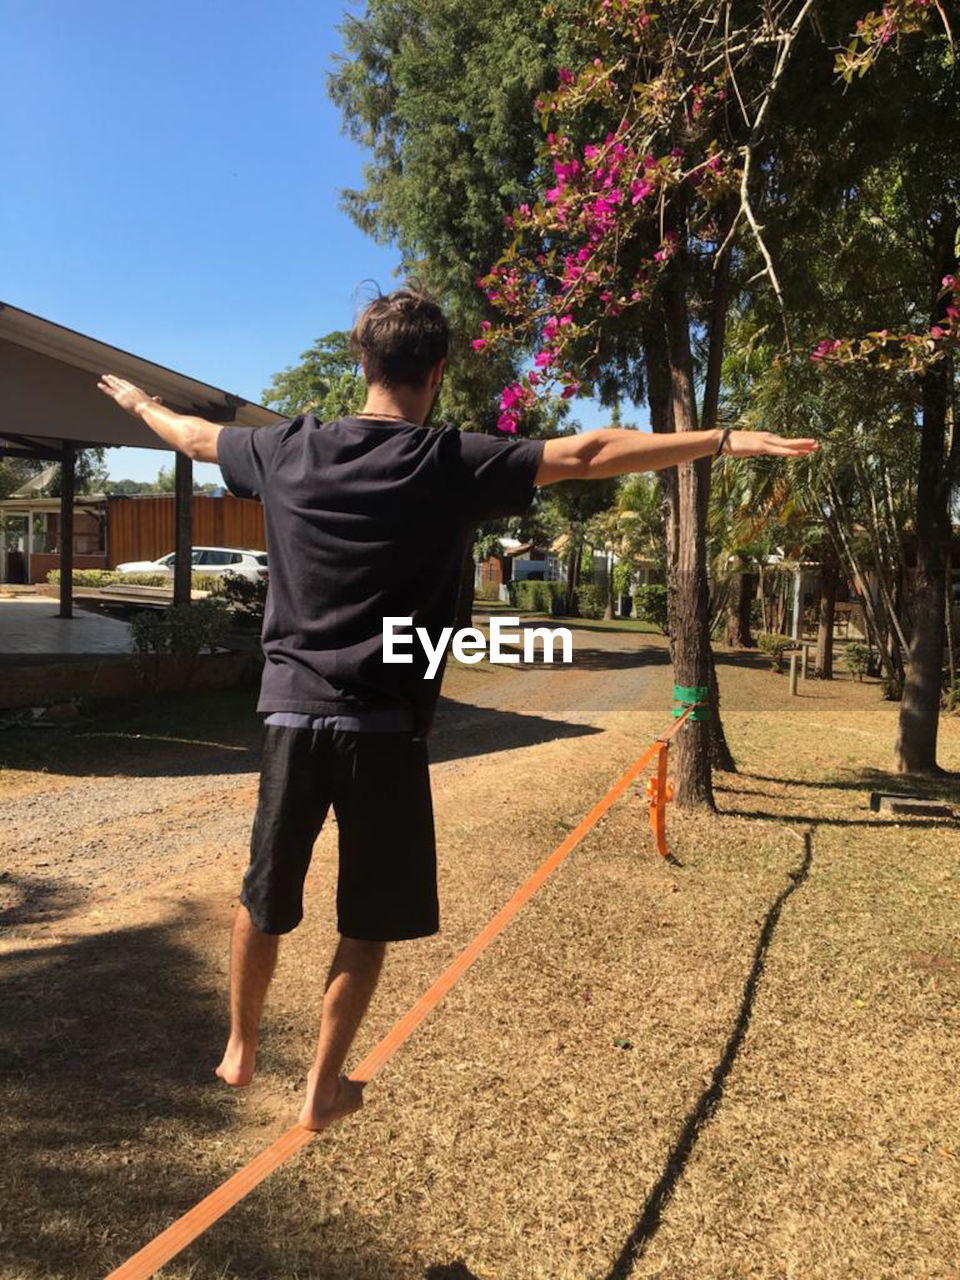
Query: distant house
108, 531
517, 561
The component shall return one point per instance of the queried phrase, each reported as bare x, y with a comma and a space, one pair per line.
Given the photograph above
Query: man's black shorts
379, 786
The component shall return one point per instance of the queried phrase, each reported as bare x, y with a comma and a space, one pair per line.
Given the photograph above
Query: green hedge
538, 597
107, 578
591, 600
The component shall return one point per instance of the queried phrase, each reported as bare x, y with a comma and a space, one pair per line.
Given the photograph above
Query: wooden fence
142, 528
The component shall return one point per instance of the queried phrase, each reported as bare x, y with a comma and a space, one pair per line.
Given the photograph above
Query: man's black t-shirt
366, 519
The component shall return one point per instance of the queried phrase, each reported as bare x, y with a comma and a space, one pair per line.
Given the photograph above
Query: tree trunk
743, 588
829, 578
916, 745
689, 603
747, 597
468, 574
573, 558
720, 754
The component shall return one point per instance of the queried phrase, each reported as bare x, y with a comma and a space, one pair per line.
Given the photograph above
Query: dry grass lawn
742, 1066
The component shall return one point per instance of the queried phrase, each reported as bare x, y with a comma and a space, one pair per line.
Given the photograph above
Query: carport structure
50, 409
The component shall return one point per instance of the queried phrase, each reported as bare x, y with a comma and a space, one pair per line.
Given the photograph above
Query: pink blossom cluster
911, 352
877, 29
825, 348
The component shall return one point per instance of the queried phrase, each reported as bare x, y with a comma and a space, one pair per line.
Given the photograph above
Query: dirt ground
744, 1065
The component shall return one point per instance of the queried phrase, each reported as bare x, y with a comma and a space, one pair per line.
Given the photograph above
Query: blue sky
171, 185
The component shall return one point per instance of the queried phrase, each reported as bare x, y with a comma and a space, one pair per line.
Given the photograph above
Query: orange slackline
203, 1215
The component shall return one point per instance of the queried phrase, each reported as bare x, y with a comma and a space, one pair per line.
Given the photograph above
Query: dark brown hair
399, 337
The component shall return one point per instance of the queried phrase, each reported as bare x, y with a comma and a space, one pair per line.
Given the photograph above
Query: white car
208, 561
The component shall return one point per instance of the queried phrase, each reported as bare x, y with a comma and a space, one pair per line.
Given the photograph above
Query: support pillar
183, 528
67, 486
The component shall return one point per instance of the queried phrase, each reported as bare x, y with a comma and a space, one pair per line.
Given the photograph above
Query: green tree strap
684, 698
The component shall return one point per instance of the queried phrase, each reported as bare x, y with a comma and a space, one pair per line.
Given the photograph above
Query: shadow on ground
116, 1125
945, 786
153, 744
26, 899
706, 1106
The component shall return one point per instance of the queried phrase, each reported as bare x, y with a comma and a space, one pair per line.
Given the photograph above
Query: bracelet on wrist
722, 446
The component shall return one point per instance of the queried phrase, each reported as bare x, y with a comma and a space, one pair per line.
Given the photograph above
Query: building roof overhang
48, 391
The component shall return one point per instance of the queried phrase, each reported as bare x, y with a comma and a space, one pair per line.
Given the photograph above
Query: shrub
537, 596
181, 631
150, 632
591, 600
891, 688
85, 577
246, 595
108, 577
488, 591
857, 657
775, 646
650, 602
622, 578
194, 627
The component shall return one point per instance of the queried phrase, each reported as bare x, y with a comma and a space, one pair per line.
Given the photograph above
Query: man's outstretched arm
598, 455
195, 437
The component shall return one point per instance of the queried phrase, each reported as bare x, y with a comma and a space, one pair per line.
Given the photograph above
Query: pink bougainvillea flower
566, 77
639, 190
936, 332
569, 392
510, 396
565, 320
825, 348
507, 422
542, 359
479, 344
485, 325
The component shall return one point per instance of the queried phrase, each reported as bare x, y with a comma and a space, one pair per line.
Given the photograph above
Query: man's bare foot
237, 1065
327, 1104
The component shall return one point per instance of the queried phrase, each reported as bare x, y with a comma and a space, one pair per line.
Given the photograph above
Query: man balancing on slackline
368, 517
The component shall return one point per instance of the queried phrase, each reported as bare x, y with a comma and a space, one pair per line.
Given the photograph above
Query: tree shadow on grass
944, 786
814, 819
706, 1106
